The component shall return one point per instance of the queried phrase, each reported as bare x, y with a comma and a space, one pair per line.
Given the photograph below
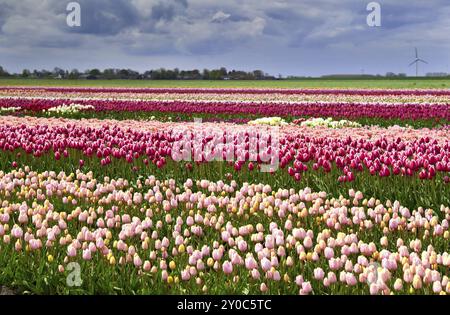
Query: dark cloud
5, 11
283, 15
105, 17
395, 15
162, 11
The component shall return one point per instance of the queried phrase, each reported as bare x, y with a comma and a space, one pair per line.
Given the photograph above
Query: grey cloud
162, 11
104, 17
167, 10
4, 13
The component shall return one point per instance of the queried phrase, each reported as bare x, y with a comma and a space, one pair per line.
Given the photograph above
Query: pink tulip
255, 274
147, 266
307, 242
35, 244
16, 232
265, 264
373, 289
185, 275
319, 273
350, 279
71, 251
227, 267
398, 285
87, 254
276, 276
263, 287
299, 280
242, 245
331, 277
137, 261
250, 263
306, 287
437, 288
329, 253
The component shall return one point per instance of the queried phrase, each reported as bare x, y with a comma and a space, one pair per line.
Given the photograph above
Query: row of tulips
215, 237
245, 147
243, 98
124, 148
366, 92
336, 110
370, 133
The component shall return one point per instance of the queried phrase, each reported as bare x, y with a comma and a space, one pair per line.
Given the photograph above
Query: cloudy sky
289, 37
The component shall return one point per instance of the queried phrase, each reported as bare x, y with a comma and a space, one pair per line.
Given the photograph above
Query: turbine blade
417, 55
422, 61
412, 63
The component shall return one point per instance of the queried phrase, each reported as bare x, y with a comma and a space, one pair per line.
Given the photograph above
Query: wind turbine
416, 61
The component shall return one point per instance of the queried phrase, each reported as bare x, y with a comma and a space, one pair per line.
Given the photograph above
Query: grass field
412, 83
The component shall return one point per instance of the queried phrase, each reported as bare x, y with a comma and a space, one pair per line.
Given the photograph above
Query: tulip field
316, 191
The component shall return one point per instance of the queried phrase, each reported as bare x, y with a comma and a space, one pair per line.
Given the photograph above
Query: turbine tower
416, 61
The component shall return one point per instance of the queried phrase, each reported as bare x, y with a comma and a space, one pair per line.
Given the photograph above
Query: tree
110, 74
26, 73
147, 74
74, 74
3, 72
95, 72
58, 72
218, 74
258, 74
44, 74
223, 72
205, 74
124, 74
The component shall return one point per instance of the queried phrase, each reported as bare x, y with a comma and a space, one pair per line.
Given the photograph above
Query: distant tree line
177, 74
128, 74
